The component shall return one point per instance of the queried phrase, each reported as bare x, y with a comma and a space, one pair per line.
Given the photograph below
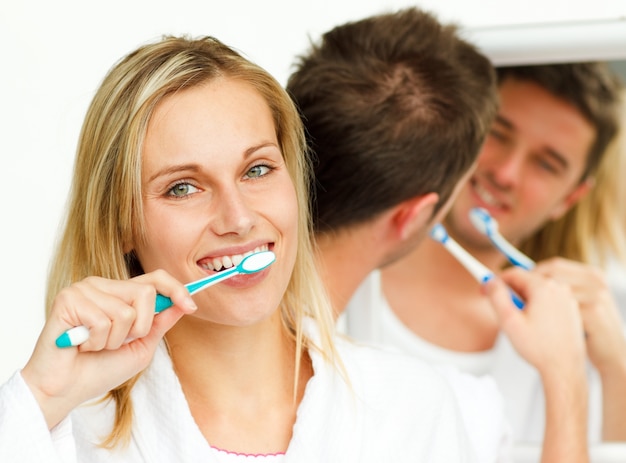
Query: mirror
561, 42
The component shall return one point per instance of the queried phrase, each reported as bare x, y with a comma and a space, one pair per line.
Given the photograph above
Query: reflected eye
498, 135
182, 189
547, 166
258, 171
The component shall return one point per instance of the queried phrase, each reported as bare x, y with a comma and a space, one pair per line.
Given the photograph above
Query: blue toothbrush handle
78, 335
517, 260
517, 300
250, 264
162, 303
519, 303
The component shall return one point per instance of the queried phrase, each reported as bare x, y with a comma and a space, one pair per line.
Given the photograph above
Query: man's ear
572, 198
414, 214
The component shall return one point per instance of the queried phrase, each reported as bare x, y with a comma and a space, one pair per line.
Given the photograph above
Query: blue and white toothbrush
487, 225
250, 264
479, 271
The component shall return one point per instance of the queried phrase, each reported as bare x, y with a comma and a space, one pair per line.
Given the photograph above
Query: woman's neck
239, 382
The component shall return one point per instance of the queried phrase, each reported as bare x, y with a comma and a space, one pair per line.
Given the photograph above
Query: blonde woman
191, 157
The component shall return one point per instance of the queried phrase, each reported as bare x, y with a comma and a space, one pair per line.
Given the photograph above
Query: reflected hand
606, 343
548, 333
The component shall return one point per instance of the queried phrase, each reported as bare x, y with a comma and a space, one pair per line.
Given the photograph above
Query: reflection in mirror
598, 217
567, 42
616, 270
619, 67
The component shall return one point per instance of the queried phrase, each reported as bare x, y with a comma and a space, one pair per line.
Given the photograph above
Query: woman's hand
115, 312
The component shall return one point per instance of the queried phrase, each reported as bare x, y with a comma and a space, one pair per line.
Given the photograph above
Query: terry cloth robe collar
164, 429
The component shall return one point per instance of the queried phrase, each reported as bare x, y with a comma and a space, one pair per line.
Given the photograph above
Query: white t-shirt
368, 318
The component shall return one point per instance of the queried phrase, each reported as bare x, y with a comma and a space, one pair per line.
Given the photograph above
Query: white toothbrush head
483, 222
487, 225
439, 233
256, 262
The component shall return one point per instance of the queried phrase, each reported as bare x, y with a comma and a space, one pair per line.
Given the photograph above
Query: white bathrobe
397, 409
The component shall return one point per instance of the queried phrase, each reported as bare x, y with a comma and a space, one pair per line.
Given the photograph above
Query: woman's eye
181, 190
258, 171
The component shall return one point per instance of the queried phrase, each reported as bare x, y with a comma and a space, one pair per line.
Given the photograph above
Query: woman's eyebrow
194, 168
253, 149
175, 169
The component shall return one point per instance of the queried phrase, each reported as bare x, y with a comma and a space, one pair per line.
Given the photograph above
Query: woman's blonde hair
104, 212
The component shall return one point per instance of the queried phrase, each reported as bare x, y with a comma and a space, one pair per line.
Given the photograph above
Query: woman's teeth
221, 263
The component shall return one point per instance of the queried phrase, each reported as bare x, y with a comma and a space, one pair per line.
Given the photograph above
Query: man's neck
344, 260
486, 253
439, 300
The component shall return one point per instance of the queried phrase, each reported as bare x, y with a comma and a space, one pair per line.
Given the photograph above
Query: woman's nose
233, 214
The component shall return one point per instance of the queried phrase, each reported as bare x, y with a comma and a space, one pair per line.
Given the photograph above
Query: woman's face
215, 187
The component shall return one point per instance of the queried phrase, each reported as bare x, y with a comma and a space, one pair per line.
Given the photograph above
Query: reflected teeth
221, 263
485, 195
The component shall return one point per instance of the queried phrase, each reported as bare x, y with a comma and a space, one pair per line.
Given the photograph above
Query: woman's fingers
166, 285
109, 309
116, 311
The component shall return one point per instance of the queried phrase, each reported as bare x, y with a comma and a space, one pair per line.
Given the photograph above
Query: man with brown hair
549, 146
396, 107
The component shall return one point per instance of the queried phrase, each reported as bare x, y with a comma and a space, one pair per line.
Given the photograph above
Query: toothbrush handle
514, 255
162, 302
517, 300
519, 303
79, 334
